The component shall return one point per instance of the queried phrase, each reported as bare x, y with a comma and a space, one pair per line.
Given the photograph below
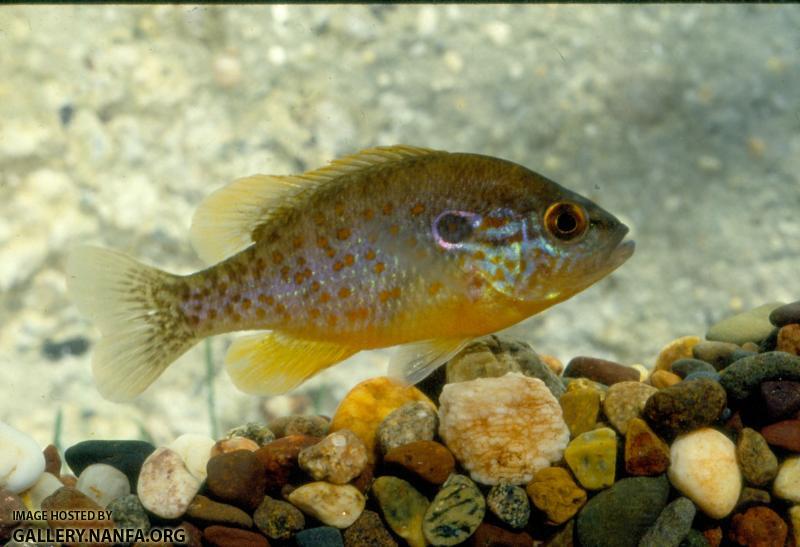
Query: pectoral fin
413, 362
273, 363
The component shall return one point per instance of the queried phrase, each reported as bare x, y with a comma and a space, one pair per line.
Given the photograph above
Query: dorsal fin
226, 220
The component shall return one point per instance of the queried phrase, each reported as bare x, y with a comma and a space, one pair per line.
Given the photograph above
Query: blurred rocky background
115, 122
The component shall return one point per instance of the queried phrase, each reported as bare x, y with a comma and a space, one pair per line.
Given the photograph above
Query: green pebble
510, 504
717, 354
671, 526
580, 408
403, 508
128, 512
455, 513
756, 461
745, 375
694, 539
752, 496
684, 407
750, 326
620, 516
684, 367
592, 457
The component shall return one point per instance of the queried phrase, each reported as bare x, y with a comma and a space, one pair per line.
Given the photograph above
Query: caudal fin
136, 310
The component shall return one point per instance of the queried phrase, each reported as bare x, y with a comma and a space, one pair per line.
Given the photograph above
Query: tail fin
135, 308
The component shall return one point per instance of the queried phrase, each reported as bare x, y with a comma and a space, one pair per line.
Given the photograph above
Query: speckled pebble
297, 424
103, 483
338, 458
592, 458
321, 536
741, 378
166, 488
717, 354
625, 401
758, 526
278, 519
671, 526
787, 482
781, 399
403, 507
455, 513
789, 339
695, 539
368, 530
680, 348
600, 370
9, 502
554, 492
509, 504
786, 314
756, 461
128, 512
749, 326
645, 453
415, 421
258, 433
237, 478
685, 407
580, 408
337, 505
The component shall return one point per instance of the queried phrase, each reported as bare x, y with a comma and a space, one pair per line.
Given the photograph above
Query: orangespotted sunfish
390, 246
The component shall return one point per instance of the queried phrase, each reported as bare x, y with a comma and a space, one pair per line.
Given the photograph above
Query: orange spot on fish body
344, 292
349, 259
319, 219
384, 296
307, 273
313, 313
301, 261
508, 264
322, 241
379, 267
280, 308
394, 229
339, 208
260, 313
396, 292
285, 273
299, 278
277, 257
246, 303
369, 214
297, 242
387, 209
418, 209
343, 233
332, 320
324, 297
499, 276
315, 286
337, 266
370, 254
434, 288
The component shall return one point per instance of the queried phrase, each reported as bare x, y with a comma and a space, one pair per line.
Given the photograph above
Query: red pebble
758, 526
279, 458
785, 434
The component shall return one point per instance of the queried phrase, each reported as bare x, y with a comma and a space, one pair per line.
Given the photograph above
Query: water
116, 121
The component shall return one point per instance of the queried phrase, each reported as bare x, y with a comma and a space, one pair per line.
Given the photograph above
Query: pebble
44, 487
717, 354
759, 526
21, 460
489, 535
69, 502
600, 370
749, 326
127, 456
403, 507
745, 375
237, 478
128, 512
456, 511
663, 378
553, 363
502, 429
680, 348
580, 408
794, 518
195, 451
785, 434
592, 458
756, 461
213, 512
321, 536
52, 460
685, 407
787, 482
620, 515
223, 536
260, 434
366, 405
9, 502
752, 496
510, 504
494, 356
555, 493
411, 422
671, 526
165, 486
645, 453
428, 460
702, 374
686, 366
703, 467
278, 519
781, 399
298, 424
625, 401
338, 458
103, 483
337, 505
233, 444
279, 459
367, 530
694, 539
584, 383
789, 339
786, 314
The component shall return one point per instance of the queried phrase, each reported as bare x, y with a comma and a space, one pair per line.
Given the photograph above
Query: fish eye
566, 221
453, 227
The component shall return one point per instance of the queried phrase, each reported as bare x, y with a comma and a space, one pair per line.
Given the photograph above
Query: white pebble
195, 451
703, 467
166, 487
787, 483
103, 483
337, 505
21, 460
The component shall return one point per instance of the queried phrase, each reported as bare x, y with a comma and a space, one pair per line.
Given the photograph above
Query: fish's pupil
566, 222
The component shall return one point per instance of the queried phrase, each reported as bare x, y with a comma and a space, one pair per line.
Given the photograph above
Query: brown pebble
70, 502
600, 370
209, 511
781, 398
429, 460
664, 378
232, 445
734, 423
789, 339
279, 458
69, 480
52, 460
553, 363
645, 453
363, 482
9, 502
489, 535
368, 530
297, 424
237, 478
223, 536
785, 434
713, 536
759, 526
194, 537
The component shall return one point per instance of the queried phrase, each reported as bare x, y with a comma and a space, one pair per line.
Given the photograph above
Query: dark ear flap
453, 229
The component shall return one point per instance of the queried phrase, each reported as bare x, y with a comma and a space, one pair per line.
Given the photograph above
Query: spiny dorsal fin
226, 220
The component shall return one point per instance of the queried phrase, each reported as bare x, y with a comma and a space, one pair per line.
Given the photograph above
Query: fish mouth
621, 253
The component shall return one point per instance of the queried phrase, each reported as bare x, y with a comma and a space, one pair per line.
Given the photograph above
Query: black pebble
785, 315
127, 456
54, 351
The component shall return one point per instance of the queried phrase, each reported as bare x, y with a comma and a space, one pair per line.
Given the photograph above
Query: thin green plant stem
211, 401
57, 427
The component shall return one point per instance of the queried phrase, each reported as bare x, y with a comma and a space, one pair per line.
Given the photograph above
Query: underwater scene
379, 275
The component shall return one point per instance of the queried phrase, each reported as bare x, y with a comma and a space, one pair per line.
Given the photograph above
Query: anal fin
272, 363
413, 362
